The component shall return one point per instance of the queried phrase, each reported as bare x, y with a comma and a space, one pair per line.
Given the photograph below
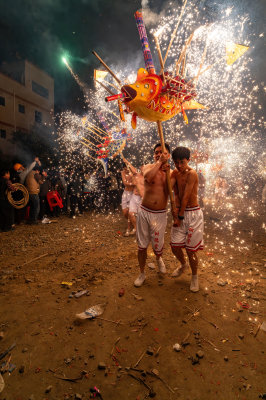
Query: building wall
27, 106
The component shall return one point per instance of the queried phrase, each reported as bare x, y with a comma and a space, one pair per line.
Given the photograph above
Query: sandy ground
133, 341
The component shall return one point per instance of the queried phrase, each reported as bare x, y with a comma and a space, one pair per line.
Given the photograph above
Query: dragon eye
146, 86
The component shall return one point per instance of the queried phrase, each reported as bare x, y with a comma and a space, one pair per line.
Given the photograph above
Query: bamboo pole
86, 144
105, 87
160, 56
183, 68
90, 129
183, 52
174, 32
88, 154
97, 128
207, 68
106, 66
160, 131
83, 138
201, 63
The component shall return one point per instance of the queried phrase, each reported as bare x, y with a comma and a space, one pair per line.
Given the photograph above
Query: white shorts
134, 203
151, 225
126, 196
189, 234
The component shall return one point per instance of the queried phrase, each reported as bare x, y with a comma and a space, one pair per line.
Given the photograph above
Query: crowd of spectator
53, 192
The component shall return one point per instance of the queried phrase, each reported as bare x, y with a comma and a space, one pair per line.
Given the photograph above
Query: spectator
45, 187
114, 197
33, 181
75, 190
20, 173
6, 209
59, 185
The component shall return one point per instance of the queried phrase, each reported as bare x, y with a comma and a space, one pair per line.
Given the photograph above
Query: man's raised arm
150, 170
130, 166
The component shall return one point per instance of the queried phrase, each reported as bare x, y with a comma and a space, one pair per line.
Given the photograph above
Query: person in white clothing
152, 215
137, 195
127, 179
188, 231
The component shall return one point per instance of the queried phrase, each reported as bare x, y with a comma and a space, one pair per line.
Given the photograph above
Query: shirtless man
138, 191
127, 179
188, 233
152, 215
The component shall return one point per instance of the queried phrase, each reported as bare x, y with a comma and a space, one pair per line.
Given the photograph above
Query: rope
18, 203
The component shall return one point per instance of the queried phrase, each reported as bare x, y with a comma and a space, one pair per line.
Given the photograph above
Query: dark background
43, 31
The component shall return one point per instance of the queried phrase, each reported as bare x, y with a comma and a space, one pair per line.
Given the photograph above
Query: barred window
3, 133
38, 117
40, 90
21, 108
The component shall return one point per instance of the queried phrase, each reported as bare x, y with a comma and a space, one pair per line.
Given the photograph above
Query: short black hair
159, 145
179, 153
3, 171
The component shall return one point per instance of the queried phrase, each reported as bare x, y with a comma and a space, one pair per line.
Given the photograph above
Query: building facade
26, 101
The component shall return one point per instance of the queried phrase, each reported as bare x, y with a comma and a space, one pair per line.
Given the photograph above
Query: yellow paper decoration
234, 51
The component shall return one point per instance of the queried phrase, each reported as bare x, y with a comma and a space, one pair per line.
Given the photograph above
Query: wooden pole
106, 66
160, 56
105, 87
160, 131
174, 32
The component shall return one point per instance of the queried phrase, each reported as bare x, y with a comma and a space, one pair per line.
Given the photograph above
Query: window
21, 108
2, 101
2, 133
38, 117
40, 90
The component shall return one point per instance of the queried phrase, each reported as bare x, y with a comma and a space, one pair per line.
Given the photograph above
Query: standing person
113, 192
21, 172
152, 215
63, 190
45, 187
138, 191
92, 187
18, 175
33, 181
127, 179
75, 190
6, 209
188, 233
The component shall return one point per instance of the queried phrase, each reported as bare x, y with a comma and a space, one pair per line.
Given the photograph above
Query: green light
64, 60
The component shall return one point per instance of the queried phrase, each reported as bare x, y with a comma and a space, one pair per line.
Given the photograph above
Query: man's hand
164, 157
175, 217
177, 222
165, 167
174, 212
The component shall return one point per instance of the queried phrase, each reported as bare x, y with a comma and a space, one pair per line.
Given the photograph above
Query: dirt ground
57, 357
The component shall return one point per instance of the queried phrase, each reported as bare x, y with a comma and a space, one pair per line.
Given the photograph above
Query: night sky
42, 31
